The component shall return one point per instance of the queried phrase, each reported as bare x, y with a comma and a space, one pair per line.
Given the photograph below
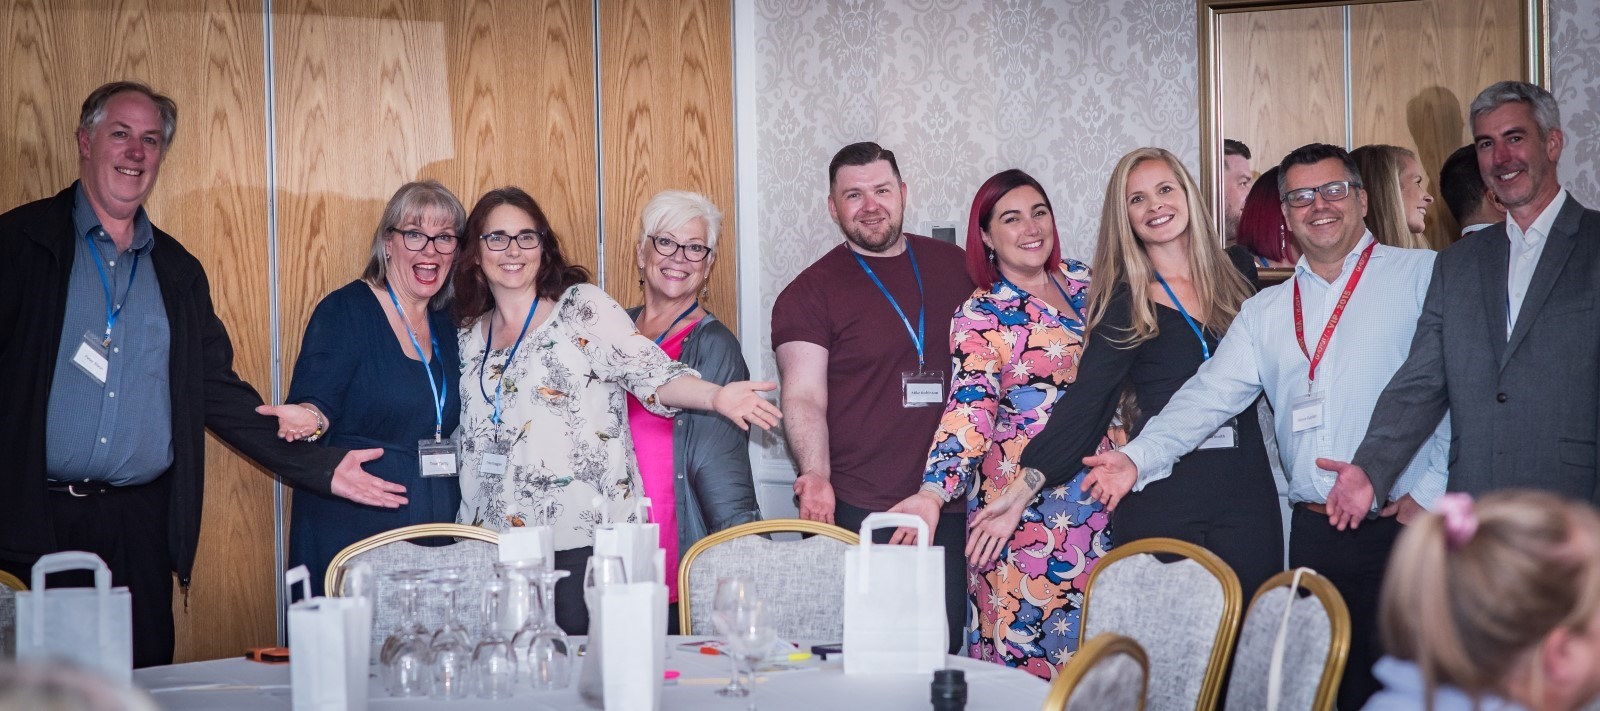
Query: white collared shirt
1260, 354
1469, 229
1525, 250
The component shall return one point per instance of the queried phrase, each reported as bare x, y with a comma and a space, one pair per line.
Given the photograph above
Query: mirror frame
1535, 49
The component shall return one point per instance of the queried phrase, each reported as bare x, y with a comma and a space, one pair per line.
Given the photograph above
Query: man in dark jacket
110, 374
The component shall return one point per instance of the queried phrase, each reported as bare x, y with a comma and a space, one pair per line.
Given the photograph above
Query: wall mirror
1278, 74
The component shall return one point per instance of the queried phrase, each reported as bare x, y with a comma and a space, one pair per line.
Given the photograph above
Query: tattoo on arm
1033, 479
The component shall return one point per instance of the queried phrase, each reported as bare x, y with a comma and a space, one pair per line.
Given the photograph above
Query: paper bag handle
73, 560
300, 575
876, 521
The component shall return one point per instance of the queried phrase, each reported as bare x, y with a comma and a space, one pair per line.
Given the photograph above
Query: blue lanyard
917, 337
105, 283
488, 339
675, 321
1205, 349
435, 388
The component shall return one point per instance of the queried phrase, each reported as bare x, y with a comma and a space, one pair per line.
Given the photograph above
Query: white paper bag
329, 648
635, 543
91, 627
524, 543
634, 644
894, 620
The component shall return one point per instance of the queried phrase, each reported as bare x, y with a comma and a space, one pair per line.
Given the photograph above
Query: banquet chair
9, 587
803, 580
1314, 648
1109, 673
1184, 613
473, 549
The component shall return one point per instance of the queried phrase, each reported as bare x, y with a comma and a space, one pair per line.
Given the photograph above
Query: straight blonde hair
1386, 209
1119, 257
1469, 612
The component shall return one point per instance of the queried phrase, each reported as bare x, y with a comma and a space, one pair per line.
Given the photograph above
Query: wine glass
732, 594
451, 648
404, 655
750, 633
541, 642
494, 662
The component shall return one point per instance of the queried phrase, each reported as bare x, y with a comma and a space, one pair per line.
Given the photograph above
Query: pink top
652, 446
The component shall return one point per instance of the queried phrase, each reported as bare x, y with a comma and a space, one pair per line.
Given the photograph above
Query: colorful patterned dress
1013, 357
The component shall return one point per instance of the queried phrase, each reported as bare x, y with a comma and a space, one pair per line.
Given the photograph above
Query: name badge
922, 389
494, 459
438, 457
91, 358
1226, 436
1306, 412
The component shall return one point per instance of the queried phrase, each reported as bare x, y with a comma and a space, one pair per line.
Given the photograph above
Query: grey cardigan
710, 455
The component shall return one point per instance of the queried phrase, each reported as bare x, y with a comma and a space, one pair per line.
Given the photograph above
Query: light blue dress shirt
1260, 354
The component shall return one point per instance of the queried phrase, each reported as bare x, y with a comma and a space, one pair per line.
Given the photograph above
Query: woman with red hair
1262, 229
1015, 345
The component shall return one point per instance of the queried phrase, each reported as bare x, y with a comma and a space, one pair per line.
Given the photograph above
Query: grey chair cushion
8, 623
803, 579
1115, 683
474, 558
1170, 609
1305, 652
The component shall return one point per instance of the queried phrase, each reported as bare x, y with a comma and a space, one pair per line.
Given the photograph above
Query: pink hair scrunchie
1460, 520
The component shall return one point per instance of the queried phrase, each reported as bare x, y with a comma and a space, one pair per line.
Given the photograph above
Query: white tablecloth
236, 684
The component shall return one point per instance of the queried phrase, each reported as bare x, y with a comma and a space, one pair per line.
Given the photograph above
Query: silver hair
94, 107
671, 209
1546, 112
414, 201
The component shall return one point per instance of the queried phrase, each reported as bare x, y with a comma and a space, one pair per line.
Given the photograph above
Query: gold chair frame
774, 525
334, 578
1103, 646
11, 581
1227, 626
1338, 629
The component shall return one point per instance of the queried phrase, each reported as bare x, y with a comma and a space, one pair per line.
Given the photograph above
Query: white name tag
492, 463
438, 457
91, 358
1226, 437
1307, 412
922, 389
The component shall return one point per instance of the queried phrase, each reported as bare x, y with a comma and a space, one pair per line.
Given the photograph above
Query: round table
241, 685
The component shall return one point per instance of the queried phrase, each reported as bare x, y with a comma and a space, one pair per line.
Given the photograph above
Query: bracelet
936, 490
322, 423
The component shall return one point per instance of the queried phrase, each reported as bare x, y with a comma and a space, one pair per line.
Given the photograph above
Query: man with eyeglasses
1321, 346
1508, 341
115, 364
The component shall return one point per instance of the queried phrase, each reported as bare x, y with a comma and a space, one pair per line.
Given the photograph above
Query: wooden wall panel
210, 195
476, 94
1415, 68
667, 115
1282, 78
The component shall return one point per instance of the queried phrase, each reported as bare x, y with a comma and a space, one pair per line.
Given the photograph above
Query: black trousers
127, 528
952, 535
572, 615
1243, 528
1354, 561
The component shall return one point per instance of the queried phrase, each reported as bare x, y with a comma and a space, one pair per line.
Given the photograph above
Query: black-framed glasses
1332, 192
500, 241
443, 243
666, 246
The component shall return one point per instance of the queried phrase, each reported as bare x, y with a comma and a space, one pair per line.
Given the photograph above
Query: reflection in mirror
1278, 75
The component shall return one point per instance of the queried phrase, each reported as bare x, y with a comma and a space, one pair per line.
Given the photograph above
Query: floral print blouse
1012, 357
564, 416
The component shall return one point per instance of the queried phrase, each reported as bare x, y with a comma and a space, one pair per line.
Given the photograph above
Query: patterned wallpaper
961, 89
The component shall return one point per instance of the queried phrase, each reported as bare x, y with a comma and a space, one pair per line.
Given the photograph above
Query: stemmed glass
750, 634
404, 655
733, 594
494, 662
451, 648
541, 641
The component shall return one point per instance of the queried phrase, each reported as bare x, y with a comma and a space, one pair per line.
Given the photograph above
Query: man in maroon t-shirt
863, 344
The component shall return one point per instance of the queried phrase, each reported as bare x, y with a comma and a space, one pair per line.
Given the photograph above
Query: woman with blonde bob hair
1491, 605
1397, 204
1164, 292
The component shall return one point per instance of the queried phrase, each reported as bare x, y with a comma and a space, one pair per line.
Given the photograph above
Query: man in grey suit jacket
1508, 339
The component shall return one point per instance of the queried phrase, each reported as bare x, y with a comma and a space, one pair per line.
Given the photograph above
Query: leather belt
80, 489
1313, 507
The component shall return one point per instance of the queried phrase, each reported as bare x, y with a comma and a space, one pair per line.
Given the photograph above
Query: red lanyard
1333, 320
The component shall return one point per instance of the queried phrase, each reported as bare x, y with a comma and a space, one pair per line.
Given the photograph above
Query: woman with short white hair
695, 467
